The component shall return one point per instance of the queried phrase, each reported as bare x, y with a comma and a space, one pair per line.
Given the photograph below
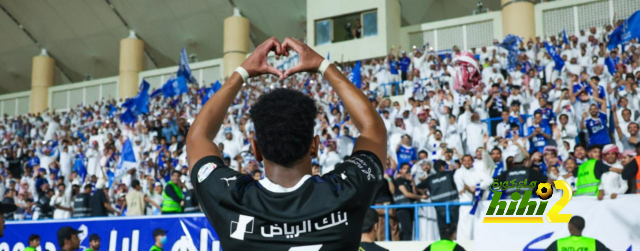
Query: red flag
467, 73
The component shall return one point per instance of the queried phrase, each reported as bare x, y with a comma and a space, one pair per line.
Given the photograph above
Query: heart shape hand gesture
256, 64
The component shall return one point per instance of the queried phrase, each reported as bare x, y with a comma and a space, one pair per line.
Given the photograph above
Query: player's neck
366, 237
287, 177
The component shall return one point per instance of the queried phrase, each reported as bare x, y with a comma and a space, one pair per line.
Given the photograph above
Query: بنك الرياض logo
515, 211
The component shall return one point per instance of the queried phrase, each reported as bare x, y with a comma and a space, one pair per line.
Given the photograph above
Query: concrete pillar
42, 77
131, 63
236, 41
518, 18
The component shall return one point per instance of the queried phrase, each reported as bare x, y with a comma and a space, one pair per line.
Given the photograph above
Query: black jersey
319, 213
370, 246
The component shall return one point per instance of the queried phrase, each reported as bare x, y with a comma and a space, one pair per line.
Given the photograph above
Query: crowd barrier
415, 207
186, 232
614, 222
523, 132
422, 245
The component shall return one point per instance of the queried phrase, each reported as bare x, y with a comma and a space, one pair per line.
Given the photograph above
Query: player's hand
256, 64
600, 196
613, 196
309, 59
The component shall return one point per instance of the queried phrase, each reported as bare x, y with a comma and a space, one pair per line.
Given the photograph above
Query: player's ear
256, 150
313, 149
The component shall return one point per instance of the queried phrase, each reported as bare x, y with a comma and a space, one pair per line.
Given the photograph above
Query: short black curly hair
284, 121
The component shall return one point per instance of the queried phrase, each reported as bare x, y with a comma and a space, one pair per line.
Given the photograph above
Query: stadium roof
83, 36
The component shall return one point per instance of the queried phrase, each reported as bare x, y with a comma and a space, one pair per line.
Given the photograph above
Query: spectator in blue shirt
169, 129
538, 133
548, 115
590, 85
405, 62
593, 82
406, 153
596, 125
34, 161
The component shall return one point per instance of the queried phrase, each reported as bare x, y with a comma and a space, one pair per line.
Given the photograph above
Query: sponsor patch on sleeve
205, 170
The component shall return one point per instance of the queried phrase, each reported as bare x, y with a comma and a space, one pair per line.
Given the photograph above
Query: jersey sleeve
425, 184
458, 248
599, 169
553, 246
600, 246
630, 170
362, 171
212, 180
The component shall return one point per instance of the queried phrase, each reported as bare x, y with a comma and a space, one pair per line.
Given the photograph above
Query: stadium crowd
553, 119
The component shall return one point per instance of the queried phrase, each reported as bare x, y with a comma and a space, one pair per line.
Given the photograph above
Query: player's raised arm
372, 130
210, 118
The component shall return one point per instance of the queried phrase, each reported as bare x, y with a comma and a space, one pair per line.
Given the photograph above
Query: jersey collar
275, 188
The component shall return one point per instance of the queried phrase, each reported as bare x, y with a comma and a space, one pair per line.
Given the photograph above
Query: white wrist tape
323, 66
243, 73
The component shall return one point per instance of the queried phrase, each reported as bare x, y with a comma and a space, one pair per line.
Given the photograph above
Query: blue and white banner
188, 232
614, 222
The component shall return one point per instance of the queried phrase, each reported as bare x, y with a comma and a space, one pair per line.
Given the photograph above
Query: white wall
553, 17
464, 25
388, 12
15, 103
573, 22
206, 72
64, 97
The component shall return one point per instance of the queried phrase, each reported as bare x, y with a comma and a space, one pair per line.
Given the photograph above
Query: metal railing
397, 85
521, 125
415, 213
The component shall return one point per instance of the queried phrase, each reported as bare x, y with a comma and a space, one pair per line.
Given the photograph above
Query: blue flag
111, 178
510, 43
127, 160
136, 105
79, 166
553, 51
628, 30
81, 136
183, 68
611, 66
156, 92
210, 91
355, 76
112, 110
564, 36
173, 87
